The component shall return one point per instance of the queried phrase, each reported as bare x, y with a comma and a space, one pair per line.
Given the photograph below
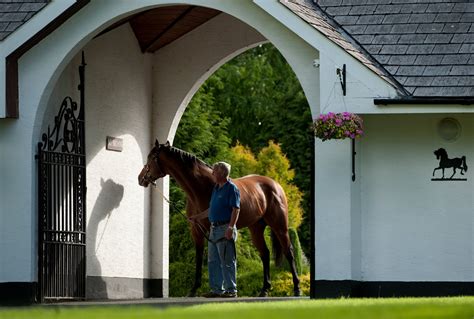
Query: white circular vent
449, 129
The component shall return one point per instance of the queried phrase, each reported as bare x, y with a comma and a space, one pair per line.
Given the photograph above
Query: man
224, 211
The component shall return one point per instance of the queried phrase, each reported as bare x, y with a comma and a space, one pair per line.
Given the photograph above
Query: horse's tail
277, 250
464, 163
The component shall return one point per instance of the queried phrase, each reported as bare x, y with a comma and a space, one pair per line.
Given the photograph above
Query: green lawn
462, 307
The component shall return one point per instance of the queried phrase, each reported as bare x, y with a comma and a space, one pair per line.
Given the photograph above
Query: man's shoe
211, 294
229, 294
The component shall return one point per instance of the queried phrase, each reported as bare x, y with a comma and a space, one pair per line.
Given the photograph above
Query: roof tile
373, 49
467, 48
437, 70
440, 7
362, 10
378, 28
455, 59
389, 8
345, 20
354, 2
364, 39
448, 17
32, 6
9, 7
370, 19
394, 49
396, 18
411, 70
456, 27
446, 80
430, 28
467, 17
337, 11
429, 59
419, 81
438, 38
412, 38
463, 7
414, 8
401, 59
463, 38
462, 70
420, 49
355, 29
386, 39
422, 18
403, 28
12, 16
446, 48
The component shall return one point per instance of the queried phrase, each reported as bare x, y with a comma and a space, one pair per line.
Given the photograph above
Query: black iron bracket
353, 159
342, 78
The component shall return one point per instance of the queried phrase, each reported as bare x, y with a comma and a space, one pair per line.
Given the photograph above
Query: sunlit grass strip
460, 307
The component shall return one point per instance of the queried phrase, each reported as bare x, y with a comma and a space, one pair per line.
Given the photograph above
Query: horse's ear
167, 144
157, 144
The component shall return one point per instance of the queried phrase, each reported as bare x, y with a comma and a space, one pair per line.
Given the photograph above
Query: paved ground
167, 302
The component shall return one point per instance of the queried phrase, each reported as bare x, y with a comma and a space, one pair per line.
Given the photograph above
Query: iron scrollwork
66, 131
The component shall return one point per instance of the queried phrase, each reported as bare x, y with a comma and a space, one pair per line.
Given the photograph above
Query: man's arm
233, 222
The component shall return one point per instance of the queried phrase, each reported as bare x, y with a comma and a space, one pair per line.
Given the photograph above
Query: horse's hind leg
258, 239
454, 172
287, 247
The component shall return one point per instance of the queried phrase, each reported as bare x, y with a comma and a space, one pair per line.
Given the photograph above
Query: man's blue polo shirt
223, 199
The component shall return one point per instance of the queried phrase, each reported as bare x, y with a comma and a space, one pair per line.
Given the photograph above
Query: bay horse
445, 162
262, 202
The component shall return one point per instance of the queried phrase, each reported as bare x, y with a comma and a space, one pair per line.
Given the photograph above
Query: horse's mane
187, 158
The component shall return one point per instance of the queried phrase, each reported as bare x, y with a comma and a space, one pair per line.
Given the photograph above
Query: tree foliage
251, 105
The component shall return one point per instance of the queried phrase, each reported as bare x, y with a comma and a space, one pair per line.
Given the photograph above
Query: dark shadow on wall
109, 199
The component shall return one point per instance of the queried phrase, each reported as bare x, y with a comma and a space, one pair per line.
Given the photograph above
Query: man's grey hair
223, 167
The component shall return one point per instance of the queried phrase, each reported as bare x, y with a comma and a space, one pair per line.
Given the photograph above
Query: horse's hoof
263, 293
191, 294
297, 293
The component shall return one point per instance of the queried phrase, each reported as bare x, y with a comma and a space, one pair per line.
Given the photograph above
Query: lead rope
201, 228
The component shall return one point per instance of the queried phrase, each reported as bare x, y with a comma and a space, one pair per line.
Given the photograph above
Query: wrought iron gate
62, 203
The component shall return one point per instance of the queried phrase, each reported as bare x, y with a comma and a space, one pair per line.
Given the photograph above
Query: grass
458, 307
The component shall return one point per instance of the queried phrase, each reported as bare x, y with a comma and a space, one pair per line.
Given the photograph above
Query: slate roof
13, 13
426, 45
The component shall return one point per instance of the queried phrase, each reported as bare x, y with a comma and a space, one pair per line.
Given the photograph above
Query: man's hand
229, 232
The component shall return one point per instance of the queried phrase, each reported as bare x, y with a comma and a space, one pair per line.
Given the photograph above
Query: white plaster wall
393, 223
414, 228
118, 103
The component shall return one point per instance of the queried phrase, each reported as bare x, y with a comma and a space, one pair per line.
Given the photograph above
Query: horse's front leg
437, 168
198, 274
199, 246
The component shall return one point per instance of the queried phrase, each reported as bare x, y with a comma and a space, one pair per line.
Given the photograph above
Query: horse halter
147, 177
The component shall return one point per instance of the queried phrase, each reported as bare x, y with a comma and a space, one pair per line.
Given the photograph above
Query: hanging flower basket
338, 126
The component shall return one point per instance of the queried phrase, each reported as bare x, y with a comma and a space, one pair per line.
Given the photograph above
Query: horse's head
153, 169
440, 152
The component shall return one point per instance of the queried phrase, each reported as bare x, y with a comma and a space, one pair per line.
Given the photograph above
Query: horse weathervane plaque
445, 162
